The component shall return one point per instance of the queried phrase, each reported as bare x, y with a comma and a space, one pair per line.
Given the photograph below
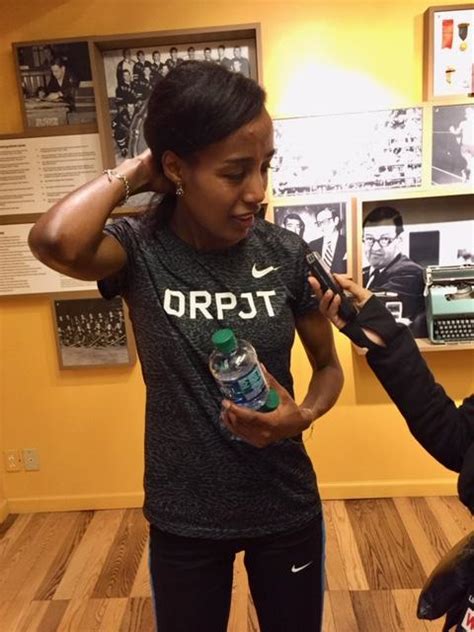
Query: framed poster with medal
449, 52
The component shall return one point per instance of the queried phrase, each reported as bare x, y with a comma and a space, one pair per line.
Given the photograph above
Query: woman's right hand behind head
143, 174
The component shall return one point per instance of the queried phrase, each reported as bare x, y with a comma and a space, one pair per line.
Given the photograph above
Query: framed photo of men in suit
325, 228
401, 237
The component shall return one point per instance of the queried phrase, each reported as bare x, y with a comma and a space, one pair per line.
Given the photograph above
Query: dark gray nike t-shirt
199, 481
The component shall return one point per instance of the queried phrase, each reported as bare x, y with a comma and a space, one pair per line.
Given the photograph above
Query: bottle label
245, 389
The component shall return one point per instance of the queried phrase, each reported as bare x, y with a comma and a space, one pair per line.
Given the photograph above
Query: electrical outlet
13, 461
31, 459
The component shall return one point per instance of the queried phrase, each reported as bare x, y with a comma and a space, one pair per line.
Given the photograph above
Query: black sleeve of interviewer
442, 428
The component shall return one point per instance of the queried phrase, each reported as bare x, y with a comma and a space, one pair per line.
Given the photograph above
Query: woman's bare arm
69, 237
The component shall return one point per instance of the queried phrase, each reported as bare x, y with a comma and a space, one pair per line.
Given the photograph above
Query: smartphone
323, 275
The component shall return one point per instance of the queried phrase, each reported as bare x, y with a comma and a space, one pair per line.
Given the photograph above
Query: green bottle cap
224, 340
271, 403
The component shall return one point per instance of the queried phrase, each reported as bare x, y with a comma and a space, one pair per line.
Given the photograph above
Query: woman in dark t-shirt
197, 261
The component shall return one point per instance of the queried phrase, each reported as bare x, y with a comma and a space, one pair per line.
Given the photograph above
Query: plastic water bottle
235, 367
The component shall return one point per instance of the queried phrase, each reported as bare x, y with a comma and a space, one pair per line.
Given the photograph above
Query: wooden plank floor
87, 571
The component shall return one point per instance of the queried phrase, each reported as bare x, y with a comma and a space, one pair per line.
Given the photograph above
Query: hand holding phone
326, 280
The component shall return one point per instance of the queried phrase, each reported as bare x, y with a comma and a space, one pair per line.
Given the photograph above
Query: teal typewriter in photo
449, 295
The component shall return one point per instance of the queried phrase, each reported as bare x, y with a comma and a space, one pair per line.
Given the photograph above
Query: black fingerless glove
376, 317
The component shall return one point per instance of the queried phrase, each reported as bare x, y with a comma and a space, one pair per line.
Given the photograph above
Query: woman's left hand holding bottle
261, 429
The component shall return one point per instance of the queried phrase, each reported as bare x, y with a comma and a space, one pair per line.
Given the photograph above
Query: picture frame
56, 86
122, 104
436, 230
326, 226
448, 44
380, 149
452, 158
92, 332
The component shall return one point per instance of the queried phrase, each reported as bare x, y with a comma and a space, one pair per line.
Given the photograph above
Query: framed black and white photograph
347, 152
130, 65
453, 145
130, 75
449, 52
324, 227
55, 85
400, 238
92, 332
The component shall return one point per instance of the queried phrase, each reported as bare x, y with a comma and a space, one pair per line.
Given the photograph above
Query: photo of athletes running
453, 145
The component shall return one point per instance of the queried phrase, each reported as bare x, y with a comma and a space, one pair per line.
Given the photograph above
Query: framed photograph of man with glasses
401, 237
324, 226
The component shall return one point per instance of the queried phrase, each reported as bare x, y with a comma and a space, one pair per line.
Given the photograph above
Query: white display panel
21, 273
36, 172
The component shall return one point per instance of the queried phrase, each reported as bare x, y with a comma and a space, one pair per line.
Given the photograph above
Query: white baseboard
4, 510
329, 491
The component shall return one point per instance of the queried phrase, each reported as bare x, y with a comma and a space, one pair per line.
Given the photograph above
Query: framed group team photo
129, 66
91, 331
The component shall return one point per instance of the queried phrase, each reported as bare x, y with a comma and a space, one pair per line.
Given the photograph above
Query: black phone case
347, 311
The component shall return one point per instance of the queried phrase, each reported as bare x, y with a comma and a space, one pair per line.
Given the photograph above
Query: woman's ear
172, 166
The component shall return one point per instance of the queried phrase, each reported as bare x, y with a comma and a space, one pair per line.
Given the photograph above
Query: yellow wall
3, 501
88, 425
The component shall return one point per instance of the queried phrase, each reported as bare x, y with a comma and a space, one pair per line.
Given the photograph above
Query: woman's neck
193, 233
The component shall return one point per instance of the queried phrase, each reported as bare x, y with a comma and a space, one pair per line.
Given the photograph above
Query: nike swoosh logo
258, 274
297, 569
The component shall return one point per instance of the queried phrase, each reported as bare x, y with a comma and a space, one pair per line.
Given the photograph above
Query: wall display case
449, 52
92, 332
424, 152
55, 86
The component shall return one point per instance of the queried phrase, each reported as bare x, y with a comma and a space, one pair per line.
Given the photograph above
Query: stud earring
179, 189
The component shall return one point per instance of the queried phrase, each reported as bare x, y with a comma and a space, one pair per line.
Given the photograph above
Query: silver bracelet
110, 173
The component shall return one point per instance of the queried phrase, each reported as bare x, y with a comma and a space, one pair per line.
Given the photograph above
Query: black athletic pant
192, 580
